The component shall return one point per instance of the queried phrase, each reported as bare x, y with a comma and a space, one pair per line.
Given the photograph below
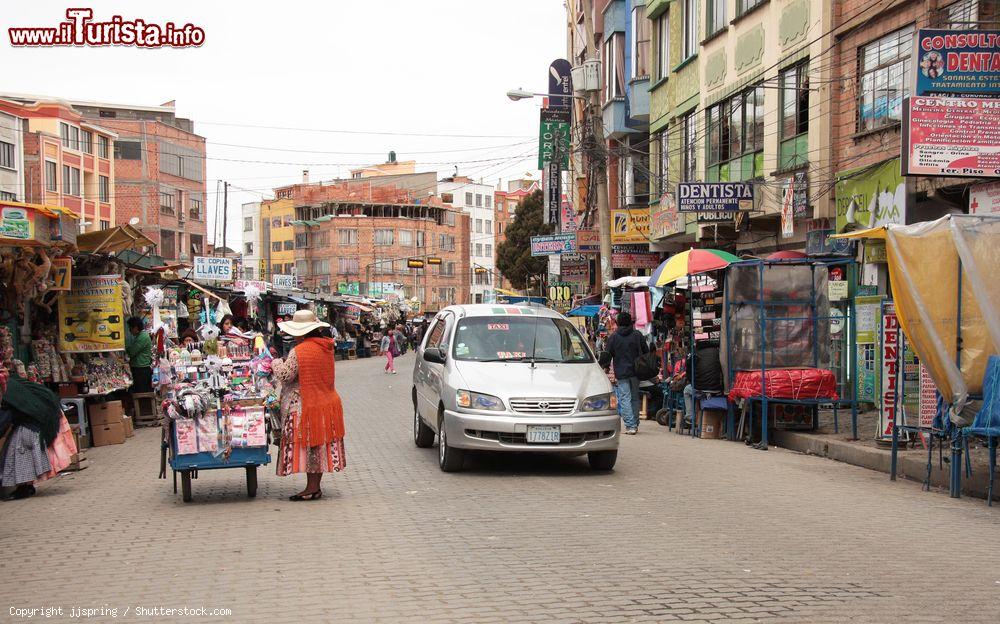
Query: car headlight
475, 400
600, 403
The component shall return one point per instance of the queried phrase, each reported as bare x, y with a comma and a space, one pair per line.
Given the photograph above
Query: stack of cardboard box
108, 423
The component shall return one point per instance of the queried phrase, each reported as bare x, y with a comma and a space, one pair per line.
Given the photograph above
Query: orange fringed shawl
322, 418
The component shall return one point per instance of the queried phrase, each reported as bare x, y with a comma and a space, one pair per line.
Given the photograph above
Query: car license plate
543, 434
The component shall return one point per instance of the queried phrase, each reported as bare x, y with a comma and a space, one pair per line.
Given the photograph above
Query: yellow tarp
923, 269
114, 240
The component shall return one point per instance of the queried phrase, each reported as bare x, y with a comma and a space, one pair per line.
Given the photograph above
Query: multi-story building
160, 167
67, 159
476, 200
505, 205
11, 157
252, 251
277, 247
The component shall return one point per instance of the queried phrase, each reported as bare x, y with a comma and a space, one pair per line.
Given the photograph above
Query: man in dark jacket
625, 346
705, 375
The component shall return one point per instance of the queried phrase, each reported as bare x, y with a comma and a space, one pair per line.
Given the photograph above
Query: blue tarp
987, 422
587, 310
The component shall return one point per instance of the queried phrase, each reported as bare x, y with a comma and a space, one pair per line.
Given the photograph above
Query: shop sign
91, 317
875, 252
553, 193
283, 281
554, 264
242, 285
553, 136
788, 209
560, 292
213, 268
285, 309
867, 310
714, 197
870, 197
953, 62
62, 273
588, 241
630, 226
951, 137
575, 268
567, 219
349, 288
716, 217
837, 290
561, 88
890, 357
928, 398
664, 220
633, 257
984, 198
553, 244
17, 223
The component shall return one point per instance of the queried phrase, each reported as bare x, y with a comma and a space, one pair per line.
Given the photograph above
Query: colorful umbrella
690, 262
787, 255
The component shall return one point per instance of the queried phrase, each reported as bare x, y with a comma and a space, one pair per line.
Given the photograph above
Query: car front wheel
450, 459
423, 436
602, 460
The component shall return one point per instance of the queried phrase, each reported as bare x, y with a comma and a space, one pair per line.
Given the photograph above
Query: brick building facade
160, 167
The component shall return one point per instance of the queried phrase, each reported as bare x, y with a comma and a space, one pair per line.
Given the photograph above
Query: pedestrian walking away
625, 346
390, 350
312, 439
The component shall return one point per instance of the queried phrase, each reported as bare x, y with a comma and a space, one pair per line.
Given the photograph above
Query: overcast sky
437, 67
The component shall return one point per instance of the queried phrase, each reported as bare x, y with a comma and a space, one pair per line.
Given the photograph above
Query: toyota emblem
543, 405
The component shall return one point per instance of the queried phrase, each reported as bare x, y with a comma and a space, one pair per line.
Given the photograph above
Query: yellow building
277, 238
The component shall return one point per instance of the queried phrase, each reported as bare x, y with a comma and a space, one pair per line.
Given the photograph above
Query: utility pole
594, 118
225, 214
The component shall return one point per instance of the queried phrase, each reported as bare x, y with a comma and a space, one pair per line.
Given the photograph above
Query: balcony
614, 119
638, 99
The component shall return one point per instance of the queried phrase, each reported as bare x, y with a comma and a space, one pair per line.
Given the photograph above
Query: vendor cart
189, 465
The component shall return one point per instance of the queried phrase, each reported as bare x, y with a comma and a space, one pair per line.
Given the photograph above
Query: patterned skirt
294, 457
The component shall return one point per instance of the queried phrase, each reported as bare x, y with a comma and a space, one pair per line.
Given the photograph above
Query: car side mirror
433, 355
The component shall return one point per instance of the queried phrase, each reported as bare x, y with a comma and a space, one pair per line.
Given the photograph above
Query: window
716, 16
479, 249
479, 226
449, 269
105, 224
500, 206
884, 66
794, 111
103, 188
448, 198
195, 244
320, 239
128, 150
382, 266
7, 155
499, 227
248, 224
301, 240
348, 266
661, 166
479, 200
288, 245
736, 128
489, 226
64, 133
489, 251
347, 237
103, 146
248, 273
384, 237
71, 180
551, 339
166, 202
276, 246
401, 265
962, 15
640, 43
108, 114
70, 136
614, 66
633, 176
7, 196
168, 249
321, 267
689, 45
449, 218
289, 268
663, 45
468, 199
406, 238
689, 137
301, 267
743, 6
248, 249
196, 209
87, 143
420, 239
489, 201
50, 176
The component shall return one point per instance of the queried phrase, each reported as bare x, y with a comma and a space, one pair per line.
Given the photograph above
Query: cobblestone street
683, 530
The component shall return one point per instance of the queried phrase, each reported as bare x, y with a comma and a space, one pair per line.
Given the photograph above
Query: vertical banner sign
928, 398
891, 351
553, 137
91, 315
561, 88
787, 210
866, 327
553, 193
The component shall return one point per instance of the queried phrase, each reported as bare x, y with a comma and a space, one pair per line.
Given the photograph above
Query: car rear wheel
450, 459
423, 436
602, 460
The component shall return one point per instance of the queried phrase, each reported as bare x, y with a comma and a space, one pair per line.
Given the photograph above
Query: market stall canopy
585, 310
112, 241
690, 262
352, 304
631, 281
787, 255
935, 303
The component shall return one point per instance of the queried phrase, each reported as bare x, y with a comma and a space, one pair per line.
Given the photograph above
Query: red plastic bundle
786, 383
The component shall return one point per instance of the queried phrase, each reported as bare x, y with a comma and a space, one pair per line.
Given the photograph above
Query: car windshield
514, 338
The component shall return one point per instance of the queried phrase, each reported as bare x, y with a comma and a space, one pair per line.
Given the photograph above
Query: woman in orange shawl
312, 438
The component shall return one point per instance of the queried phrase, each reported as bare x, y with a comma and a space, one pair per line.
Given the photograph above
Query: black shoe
25, 490
318, 494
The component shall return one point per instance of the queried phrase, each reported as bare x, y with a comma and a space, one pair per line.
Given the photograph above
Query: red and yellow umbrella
690, 262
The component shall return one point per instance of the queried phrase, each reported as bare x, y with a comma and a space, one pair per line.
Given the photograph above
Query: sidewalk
864, 452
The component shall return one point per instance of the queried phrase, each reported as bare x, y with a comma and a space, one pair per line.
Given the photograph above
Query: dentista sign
714, 196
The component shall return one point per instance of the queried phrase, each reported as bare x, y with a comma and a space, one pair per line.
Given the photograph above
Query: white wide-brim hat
303, 322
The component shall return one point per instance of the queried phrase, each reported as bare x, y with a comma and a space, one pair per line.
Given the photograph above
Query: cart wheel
251, 481
663, 417
186, 485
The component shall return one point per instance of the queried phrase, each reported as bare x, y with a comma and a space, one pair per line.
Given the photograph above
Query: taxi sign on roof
505, 310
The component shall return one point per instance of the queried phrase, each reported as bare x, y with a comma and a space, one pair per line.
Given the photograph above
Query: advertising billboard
553, 244
714, 196
951, 137
958, 62
630, 225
